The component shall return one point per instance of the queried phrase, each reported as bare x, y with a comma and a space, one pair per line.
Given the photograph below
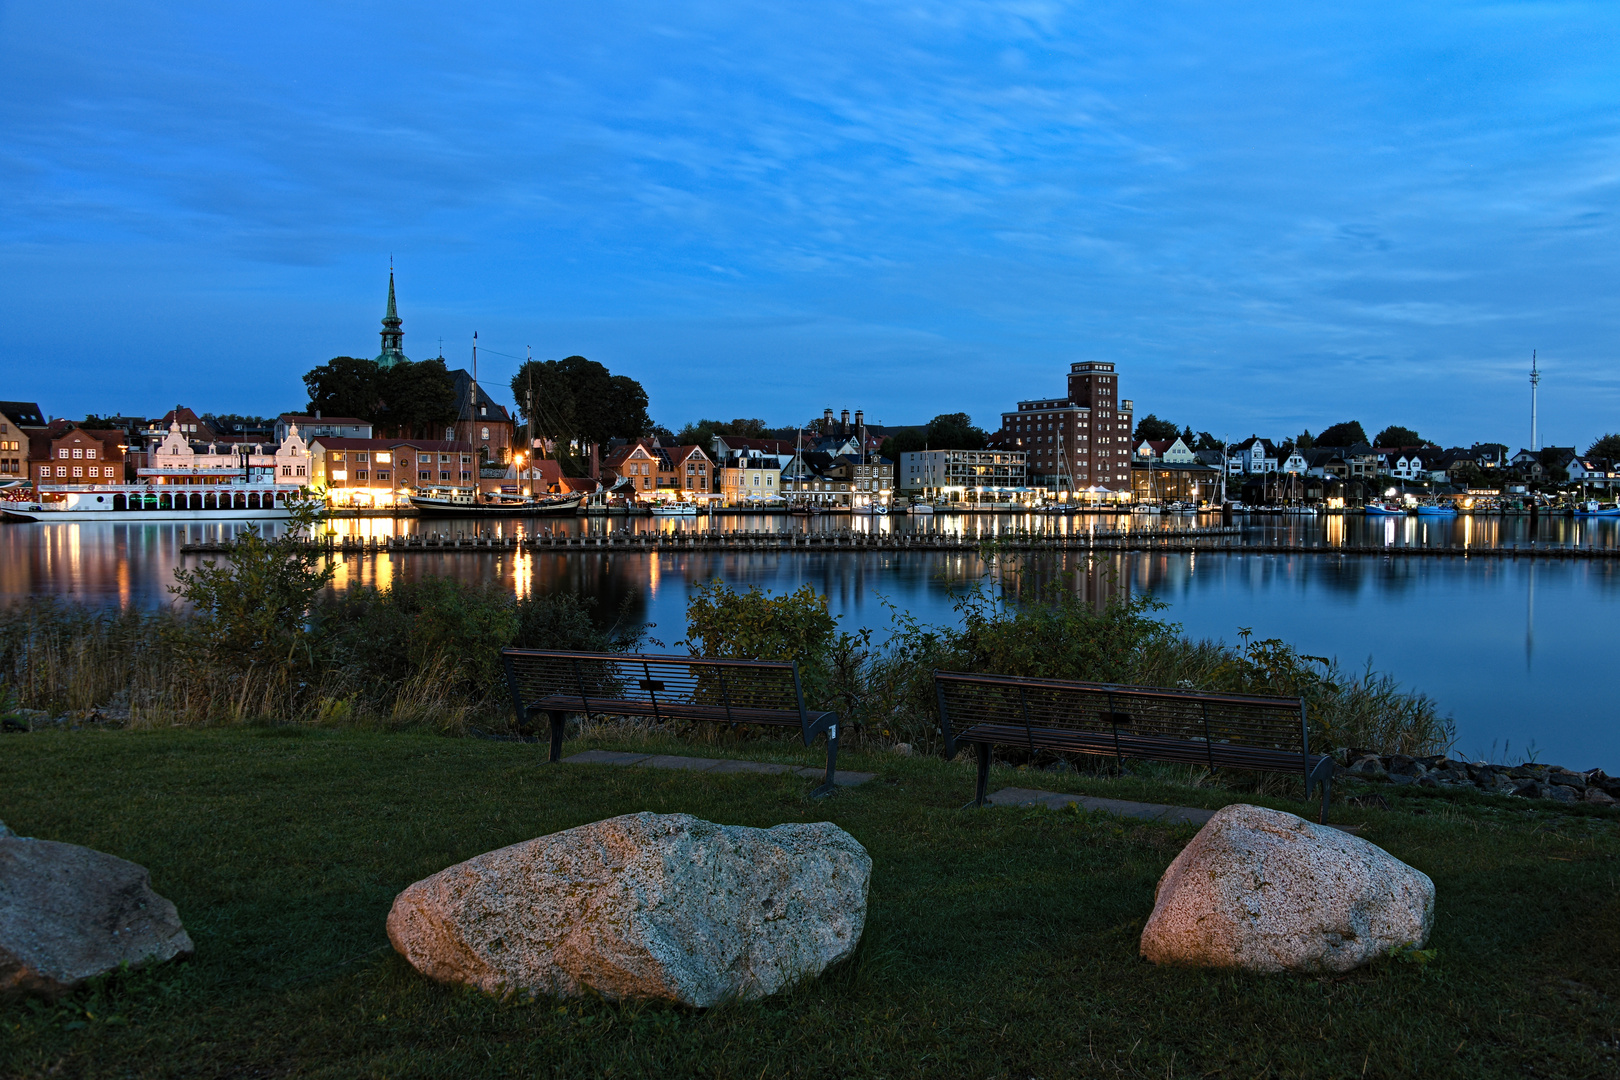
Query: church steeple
393, 337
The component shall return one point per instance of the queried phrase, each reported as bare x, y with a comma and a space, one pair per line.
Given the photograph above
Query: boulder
1267, 891
642, 906
1598, 796
68, 913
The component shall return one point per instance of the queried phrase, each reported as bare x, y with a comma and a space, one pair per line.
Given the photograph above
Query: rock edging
1528, 781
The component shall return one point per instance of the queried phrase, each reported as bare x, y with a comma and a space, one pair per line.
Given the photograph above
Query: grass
999, 943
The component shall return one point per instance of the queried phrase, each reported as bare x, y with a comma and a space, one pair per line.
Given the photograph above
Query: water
1517, 651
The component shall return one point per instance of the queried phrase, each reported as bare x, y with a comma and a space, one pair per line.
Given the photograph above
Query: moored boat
468, 506
155, 503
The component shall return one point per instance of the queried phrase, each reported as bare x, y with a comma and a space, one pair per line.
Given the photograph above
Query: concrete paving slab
674, 761
840, 778
733, 766
604, 757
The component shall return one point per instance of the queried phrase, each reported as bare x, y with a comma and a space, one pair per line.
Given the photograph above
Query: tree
1304, 441
1151, 428
1188, 437
1607, 448
1395, 437
1348, 433
345, 386
907, 440
579, 399
955, 431
700, 432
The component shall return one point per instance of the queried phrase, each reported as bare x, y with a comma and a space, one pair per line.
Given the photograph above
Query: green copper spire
392, 336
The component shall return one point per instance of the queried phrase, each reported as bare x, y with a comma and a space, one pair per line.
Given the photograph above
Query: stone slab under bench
714, 765
1176, 815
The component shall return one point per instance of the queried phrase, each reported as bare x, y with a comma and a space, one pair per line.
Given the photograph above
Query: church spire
393, 337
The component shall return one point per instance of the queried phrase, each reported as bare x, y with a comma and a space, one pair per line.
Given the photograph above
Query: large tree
578, 399
955, 431
1349, 433
1396, 436
1607, 448
1151, 428
408, 399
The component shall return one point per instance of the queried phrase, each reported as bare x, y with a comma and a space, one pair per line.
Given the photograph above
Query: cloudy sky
1271, 215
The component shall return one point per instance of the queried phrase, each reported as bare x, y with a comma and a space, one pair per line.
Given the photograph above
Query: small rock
1267, 891
1599, 797
642, 906
1566, 778
1401, 765
902, 748
68, 913
1370, 767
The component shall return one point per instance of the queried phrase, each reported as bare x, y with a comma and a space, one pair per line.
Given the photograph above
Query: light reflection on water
1516, 650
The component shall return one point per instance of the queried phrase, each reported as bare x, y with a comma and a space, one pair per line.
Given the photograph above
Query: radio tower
1535, 381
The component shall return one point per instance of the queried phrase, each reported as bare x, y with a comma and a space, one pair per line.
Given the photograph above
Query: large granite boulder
1267, 891
642, 906
68, 913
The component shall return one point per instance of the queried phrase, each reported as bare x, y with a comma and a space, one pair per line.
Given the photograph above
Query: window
94, 471
286, 470
382, 474
300, 470
383, 458
360, 474
424, 475
362, 456
61, 470
465, 476
466, 459
62, 453
90, 452
444, 476
485, 435
340, 474
78, 470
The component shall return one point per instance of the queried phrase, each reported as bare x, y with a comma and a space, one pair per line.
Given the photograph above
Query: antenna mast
1535, 382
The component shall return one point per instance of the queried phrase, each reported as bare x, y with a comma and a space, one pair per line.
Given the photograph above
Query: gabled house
1294, 463
64, 454
1170, 451
637, 463
1252, 457
685, 470
1404, 463
16, 419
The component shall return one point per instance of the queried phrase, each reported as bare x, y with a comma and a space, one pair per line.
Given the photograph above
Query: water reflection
1450, 626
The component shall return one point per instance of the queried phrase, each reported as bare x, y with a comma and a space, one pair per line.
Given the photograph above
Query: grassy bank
1000, 943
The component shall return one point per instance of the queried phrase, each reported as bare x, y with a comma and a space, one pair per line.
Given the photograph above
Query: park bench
1234, 731
667, 689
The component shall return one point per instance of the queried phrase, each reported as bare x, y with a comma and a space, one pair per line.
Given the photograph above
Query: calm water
1517, 652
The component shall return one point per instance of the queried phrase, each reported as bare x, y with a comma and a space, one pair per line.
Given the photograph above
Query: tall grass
425, 655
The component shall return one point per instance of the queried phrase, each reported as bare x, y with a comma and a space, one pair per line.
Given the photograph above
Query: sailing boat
802, 506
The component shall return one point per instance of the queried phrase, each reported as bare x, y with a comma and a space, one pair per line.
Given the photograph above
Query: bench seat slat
675, 710
1075, 740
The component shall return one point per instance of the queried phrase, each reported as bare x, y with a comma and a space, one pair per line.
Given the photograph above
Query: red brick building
63, 454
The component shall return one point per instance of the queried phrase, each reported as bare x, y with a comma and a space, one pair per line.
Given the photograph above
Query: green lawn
999, 943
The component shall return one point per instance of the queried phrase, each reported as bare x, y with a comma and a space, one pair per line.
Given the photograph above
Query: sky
1270, 215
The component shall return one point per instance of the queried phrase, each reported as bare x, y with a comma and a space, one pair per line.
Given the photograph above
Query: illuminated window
78, 470
62, 453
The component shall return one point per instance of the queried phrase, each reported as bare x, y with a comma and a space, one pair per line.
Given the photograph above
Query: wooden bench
665, 688
1234, 731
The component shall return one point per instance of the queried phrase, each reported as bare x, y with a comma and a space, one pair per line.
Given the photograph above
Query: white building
175, 459
948, 473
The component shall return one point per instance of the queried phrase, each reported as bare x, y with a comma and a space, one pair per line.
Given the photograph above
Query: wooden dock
1217, 539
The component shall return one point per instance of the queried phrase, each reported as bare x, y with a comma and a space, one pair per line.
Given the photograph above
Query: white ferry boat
156, 502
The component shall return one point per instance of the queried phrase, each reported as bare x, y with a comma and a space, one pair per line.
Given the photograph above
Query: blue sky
1270, 215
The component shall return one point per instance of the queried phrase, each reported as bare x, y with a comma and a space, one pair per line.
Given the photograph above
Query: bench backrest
1240, 719
596, 680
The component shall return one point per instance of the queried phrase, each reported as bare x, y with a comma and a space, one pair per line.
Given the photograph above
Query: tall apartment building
1079, 441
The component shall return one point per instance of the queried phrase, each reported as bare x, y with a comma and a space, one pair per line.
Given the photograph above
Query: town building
684, 472
65, 455
180, 459
319, 427
1080, 442
17, 418
808, 480
1165, 481
950, 475
439, 467
635, 465
393, 338
1253, 456
481, 420
749, 476
1171, 451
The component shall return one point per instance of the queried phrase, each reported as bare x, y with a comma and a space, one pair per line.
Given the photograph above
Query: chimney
860, 419
826, 418
843, 423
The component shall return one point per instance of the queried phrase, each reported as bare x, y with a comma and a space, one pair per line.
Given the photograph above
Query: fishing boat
496, 505
1593, 508
1436, 509
1377, 509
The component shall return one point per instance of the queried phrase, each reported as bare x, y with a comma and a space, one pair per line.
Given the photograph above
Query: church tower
392, 336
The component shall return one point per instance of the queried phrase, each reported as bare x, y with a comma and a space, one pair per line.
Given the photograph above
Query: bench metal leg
984, 773
559, 722
827, 786
1321, 775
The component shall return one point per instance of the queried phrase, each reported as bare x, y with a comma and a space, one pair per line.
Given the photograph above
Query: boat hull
445, 508
68, 517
